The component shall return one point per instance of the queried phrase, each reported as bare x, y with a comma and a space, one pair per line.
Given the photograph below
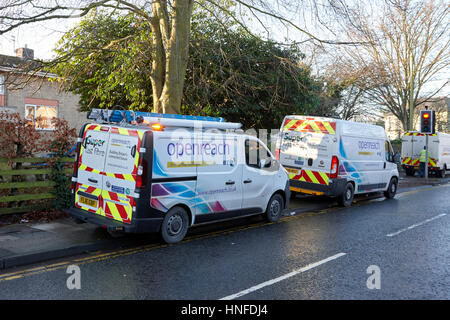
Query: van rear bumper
335, 187
136, 226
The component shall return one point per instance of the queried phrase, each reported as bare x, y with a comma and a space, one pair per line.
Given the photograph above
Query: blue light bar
129, 116
118, 116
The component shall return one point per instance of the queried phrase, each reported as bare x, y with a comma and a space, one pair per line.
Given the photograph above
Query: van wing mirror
265, 163
397, 157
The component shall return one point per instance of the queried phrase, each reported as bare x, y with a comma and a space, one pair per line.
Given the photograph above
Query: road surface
377, 249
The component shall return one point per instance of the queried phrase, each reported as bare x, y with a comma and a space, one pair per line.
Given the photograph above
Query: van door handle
247, 181
384, 166
229, 182
92, 180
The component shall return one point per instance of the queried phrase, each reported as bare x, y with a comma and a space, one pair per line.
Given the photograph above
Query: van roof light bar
173, 120
106, 115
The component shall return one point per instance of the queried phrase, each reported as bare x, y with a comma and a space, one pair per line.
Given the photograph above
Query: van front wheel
392, 189
175, 225
346, 198
275, 208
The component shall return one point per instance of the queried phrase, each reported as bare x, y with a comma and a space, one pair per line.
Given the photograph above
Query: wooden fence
27, 187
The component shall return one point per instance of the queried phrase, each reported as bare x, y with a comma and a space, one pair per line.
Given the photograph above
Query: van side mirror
397, 158
265, 163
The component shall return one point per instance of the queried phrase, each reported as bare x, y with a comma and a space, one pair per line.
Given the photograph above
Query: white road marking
416, 225
283, 277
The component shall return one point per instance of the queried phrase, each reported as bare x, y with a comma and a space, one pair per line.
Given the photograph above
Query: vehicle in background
165, 173
438, 152
337, 158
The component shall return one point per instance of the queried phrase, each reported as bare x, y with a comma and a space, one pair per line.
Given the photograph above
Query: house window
2, 84
41, 116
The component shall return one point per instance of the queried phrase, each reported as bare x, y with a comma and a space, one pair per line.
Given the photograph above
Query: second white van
326, 156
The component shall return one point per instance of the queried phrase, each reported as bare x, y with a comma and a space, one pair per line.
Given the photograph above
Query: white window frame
2, 84
34, 115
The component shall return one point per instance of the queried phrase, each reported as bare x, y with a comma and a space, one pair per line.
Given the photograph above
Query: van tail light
75, 166
75, 162
141, 177
277, 154
334, 167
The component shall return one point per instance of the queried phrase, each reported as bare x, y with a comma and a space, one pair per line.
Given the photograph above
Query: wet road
400, 246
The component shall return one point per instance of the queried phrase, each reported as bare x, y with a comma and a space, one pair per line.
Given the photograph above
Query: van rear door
307, 148
120, 173
90, 169
407, 149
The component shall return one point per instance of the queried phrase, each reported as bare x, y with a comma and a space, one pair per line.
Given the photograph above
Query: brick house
33, 94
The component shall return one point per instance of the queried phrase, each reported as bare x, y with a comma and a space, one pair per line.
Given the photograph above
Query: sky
42, 37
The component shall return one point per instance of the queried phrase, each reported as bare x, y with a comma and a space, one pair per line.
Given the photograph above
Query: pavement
24, 244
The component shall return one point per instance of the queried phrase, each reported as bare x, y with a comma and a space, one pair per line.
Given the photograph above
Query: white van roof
346, 127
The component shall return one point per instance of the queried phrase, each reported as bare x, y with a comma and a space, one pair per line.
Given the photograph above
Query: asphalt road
322, 254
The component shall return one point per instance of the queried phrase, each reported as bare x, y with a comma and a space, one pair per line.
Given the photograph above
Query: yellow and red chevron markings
409, 161
418, 134
311, 177
310, 125
90, 190
114, 208
109, 204
415, 162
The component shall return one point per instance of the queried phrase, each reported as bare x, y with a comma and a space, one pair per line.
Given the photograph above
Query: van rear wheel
275, 208
346, 198
175, 225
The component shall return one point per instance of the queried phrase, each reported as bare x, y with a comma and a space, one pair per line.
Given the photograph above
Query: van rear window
310, 125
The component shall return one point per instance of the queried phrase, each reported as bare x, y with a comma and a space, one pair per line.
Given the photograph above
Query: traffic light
427, 121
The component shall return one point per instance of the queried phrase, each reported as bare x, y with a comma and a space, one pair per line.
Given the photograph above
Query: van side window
389, 151
254, 152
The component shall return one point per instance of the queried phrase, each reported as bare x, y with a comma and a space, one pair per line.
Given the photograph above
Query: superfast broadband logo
94, 146
179, 149
94, 142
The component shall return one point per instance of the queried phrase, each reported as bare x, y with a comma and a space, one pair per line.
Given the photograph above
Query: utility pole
426, 156
411, 92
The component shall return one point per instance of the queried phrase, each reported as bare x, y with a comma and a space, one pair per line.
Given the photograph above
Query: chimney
25, 53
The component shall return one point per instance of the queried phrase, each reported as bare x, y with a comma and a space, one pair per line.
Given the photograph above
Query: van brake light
277, 154
141, 178
334, 167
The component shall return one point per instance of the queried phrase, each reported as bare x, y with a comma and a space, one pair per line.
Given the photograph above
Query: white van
438, 152
172, 172
338, 158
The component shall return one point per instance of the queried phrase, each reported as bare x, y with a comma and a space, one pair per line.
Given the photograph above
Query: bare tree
169, 22
406, 45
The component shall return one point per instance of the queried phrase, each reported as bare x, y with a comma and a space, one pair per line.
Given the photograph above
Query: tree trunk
158, 63
173, 53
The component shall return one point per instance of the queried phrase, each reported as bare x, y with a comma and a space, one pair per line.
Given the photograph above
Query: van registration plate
89, 202
292, 170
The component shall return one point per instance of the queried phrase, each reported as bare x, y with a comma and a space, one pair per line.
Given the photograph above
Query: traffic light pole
426, 156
